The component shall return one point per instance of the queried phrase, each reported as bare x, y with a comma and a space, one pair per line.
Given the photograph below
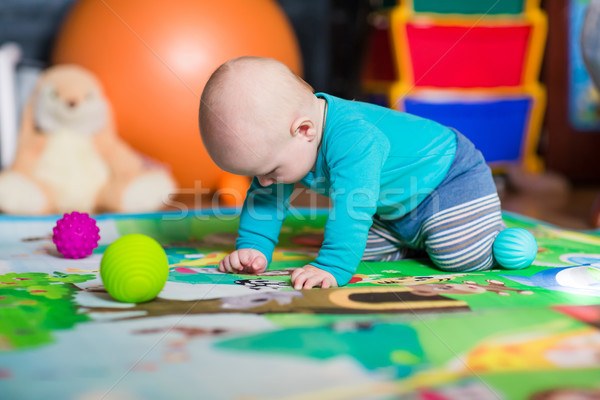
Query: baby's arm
355, 185
260, 224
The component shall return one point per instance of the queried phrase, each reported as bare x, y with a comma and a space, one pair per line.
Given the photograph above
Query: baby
397, 182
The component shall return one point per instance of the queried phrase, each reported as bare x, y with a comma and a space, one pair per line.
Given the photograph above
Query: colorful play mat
399, 330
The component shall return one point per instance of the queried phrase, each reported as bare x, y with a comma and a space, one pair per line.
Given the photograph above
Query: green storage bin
483, 7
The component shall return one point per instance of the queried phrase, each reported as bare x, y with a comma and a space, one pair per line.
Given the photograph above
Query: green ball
134, 268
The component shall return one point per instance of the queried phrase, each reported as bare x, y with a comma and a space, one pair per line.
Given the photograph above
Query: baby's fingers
234, 260
259, 265
298, 278
309, 283
224, 265
244, 257
315, 281
305, 279
231, 263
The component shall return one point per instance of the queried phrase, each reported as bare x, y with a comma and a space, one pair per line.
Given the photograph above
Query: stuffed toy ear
27, 117
30, 143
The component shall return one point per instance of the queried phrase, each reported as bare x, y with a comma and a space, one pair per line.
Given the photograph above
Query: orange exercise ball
154, 57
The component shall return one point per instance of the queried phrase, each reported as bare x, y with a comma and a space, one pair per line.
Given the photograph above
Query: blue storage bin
497, 127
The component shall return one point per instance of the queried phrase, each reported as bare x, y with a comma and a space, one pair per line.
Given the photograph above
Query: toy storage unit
379, 70
471, 65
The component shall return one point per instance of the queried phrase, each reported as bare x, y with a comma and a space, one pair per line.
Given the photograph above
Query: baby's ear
303, 127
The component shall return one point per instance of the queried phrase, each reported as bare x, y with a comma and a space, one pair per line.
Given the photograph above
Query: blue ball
515, 248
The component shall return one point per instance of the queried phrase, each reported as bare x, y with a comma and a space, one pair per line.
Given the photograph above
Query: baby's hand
249, 261
310, 276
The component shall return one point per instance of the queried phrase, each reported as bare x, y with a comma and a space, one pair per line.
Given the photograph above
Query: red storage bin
457, 56
468, 53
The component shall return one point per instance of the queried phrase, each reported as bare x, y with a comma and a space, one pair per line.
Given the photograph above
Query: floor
550, 198
400, 330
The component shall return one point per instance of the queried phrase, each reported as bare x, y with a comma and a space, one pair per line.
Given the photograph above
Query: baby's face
288, 162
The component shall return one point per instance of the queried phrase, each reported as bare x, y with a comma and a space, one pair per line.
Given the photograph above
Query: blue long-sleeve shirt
372, 160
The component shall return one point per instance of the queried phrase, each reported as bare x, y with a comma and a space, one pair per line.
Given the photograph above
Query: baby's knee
463, 257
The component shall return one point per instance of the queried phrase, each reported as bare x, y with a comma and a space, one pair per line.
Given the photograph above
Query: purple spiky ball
76, 235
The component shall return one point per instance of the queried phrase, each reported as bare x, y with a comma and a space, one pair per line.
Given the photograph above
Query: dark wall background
32, 24
331, 35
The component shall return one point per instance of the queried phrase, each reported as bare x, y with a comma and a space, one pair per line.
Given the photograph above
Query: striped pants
459, 238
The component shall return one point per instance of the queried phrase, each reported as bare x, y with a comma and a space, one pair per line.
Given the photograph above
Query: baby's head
258, 118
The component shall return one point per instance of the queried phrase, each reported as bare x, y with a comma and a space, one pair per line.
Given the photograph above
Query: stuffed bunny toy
69, 157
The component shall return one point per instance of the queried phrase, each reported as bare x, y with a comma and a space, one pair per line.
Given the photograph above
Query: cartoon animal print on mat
213, 271
189, 332
581, 258
578, 348
467, 287
260, 284
214, 258
498, 287
176, 348
251, 301
567, 393
578, 279
346, 300
29, 304
210, 240
588, 314
407, 280
393, 349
